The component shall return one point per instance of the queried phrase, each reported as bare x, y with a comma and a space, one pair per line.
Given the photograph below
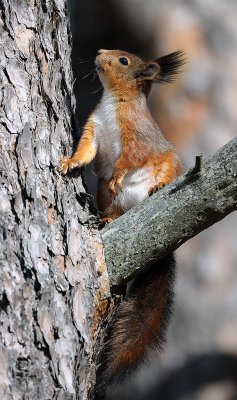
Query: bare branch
192, 203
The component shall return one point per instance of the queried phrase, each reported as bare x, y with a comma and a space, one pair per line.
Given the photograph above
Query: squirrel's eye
123, 60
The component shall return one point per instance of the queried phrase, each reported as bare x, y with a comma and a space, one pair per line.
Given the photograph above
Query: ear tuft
169, 66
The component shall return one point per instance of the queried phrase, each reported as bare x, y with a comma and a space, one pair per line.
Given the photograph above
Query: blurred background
198, 114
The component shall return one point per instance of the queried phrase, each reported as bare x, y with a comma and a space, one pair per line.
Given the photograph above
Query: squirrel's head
122, 72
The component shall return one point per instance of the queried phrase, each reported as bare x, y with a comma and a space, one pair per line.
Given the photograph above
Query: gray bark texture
54, 289
192, 203
53, 282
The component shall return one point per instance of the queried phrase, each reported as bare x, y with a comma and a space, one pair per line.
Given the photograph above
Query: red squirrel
132, 161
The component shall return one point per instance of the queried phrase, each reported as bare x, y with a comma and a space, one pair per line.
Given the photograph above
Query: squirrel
133, 160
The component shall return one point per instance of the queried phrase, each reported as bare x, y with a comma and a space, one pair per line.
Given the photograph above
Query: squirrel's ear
169, 66
148, 71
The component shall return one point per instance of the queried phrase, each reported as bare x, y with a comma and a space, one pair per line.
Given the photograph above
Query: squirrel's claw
66, 164
112, 189
155, 188
63, 165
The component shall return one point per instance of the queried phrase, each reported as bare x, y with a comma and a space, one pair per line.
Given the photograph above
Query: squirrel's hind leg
165, 168
108, 209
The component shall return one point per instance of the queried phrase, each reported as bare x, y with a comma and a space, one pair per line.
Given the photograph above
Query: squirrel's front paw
115, 180
66, 164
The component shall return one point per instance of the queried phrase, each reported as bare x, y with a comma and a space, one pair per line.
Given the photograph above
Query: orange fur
133, 160
85, 152
165, 166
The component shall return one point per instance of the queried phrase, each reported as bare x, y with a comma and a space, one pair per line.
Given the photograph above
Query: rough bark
195, 201
53, 284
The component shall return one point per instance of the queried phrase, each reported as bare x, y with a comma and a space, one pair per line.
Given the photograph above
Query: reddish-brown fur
138, 325
139, 322
85, 151
109, 210
136, 153
148, 314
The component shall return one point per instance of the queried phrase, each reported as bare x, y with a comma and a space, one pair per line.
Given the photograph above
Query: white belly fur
135, 188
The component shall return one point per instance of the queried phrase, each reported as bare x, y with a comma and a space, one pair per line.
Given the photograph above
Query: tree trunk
53, 288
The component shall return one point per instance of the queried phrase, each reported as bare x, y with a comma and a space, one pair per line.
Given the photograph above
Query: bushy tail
137, 326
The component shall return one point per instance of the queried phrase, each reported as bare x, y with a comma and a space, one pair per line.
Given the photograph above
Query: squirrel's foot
155, 188
106, 220
66, 164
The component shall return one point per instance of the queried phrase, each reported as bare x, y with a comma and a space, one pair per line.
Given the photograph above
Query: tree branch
193, 202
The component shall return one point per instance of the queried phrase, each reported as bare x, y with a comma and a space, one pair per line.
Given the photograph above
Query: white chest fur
108, 136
